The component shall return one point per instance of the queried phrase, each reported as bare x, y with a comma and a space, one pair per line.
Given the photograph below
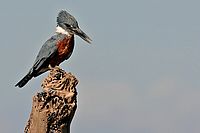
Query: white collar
61, 30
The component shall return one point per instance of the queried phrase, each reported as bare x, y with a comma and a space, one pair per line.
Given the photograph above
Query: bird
56, 49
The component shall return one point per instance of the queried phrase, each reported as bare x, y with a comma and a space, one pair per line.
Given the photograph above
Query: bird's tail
25, 80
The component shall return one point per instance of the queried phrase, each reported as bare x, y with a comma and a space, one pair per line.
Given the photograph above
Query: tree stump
53, 108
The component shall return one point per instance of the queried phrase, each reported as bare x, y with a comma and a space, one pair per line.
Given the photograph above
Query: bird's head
68, 23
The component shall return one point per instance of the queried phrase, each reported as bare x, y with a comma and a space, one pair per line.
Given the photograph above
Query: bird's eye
69, 26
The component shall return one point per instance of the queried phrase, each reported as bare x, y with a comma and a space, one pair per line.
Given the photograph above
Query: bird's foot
56, 67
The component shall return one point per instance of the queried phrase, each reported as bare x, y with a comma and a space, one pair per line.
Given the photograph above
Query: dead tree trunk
53, 108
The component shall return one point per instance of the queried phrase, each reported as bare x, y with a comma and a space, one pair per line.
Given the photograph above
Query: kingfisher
56, 49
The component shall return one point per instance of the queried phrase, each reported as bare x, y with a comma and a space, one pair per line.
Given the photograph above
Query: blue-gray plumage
46, 53
56, 49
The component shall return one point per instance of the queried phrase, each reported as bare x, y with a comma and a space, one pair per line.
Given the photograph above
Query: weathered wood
53, 108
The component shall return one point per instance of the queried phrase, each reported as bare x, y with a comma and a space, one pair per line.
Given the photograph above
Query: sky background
140, 75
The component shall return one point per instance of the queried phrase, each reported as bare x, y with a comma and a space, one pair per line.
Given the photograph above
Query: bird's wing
47, 51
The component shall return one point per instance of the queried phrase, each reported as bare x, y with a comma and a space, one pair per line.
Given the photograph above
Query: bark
53, 108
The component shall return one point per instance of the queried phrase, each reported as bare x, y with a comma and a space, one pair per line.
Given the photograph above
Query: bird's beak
81, 34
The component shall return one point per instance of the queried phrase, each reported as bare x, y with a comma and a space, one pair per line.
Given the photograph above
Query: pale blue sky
140, 75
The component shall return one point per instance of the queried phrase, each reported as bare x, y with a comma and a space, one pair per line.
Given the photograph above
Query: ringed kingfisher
56, 49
